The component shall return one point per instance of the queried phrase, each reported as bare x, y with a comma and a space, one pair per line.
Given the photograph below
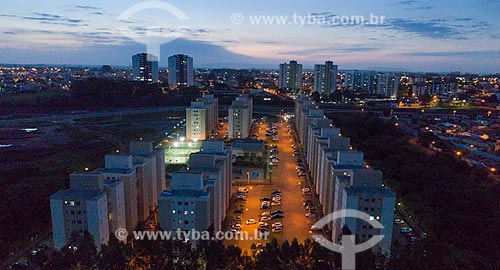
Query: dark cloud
10, 33
420, 5
431, 29
87, 7
332, 50
51, 19
454, 54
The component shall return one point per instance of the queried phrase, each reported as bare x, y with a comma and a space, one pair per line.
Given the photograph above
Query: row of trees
150, 255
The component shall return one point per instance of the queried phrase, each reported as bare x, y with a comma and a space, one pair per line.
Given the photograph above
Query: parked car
277, 224
277, 229
279, 211
276, 216
406, 230
399, 221
251, 221
265, 205
264, 219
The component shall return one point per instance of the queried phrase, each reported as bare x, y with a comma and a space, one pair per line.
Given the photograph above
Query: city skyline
429, 37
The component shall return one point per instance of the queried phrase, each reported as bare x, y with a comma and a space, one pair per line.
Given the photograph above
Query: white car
277, 229
264, 219
399, 221
277, 224
265, 214
250, 221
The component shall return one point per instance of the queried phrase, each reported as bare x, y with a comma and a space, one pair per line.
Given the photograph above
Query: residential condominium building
240, 118
145, 68
341, 178
110, 198
325, 78
83, 207
202, 118
200, 193
290, 77
149, 183
362, 190
180, 71
120, 167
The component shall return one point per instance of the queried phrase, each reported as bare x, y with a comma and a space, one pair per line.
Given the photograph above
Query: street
284, 178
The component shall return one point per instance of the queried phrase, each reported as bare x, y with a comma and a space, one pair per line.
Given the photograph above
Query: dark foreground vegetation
178, 255
456, 205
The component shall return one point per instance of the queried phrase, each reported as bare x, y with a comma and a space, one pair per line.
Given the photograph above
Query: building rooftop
249, 145
114, 170
68, 194
185, 193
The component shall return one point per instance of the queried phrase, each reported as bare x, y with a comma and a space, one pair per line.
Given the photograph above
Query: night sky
440, 35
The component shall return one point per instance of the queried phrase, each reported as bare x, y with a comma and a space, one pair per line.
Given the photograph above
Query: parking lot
284, 178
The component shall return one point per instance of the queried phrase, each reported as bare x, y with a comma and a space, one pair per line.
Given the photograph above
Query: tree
316, 96
112, 256
425, 100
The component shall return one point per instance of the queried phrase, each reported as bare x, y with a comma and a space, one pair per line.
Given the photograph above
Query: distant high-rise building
388, 85
325, 78
290, 77
145, 68
180, 71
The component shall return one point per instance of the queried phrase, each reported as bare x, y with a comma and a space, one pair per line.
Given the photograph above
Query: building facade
180, 71
325, 78
240, 118
290, 77
145, 68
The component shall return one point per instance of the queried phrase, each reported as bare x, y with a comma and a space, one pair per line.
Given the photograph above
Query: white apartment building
341, 178
83, 207
202, 118
240, 118
206, 182
120, 167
